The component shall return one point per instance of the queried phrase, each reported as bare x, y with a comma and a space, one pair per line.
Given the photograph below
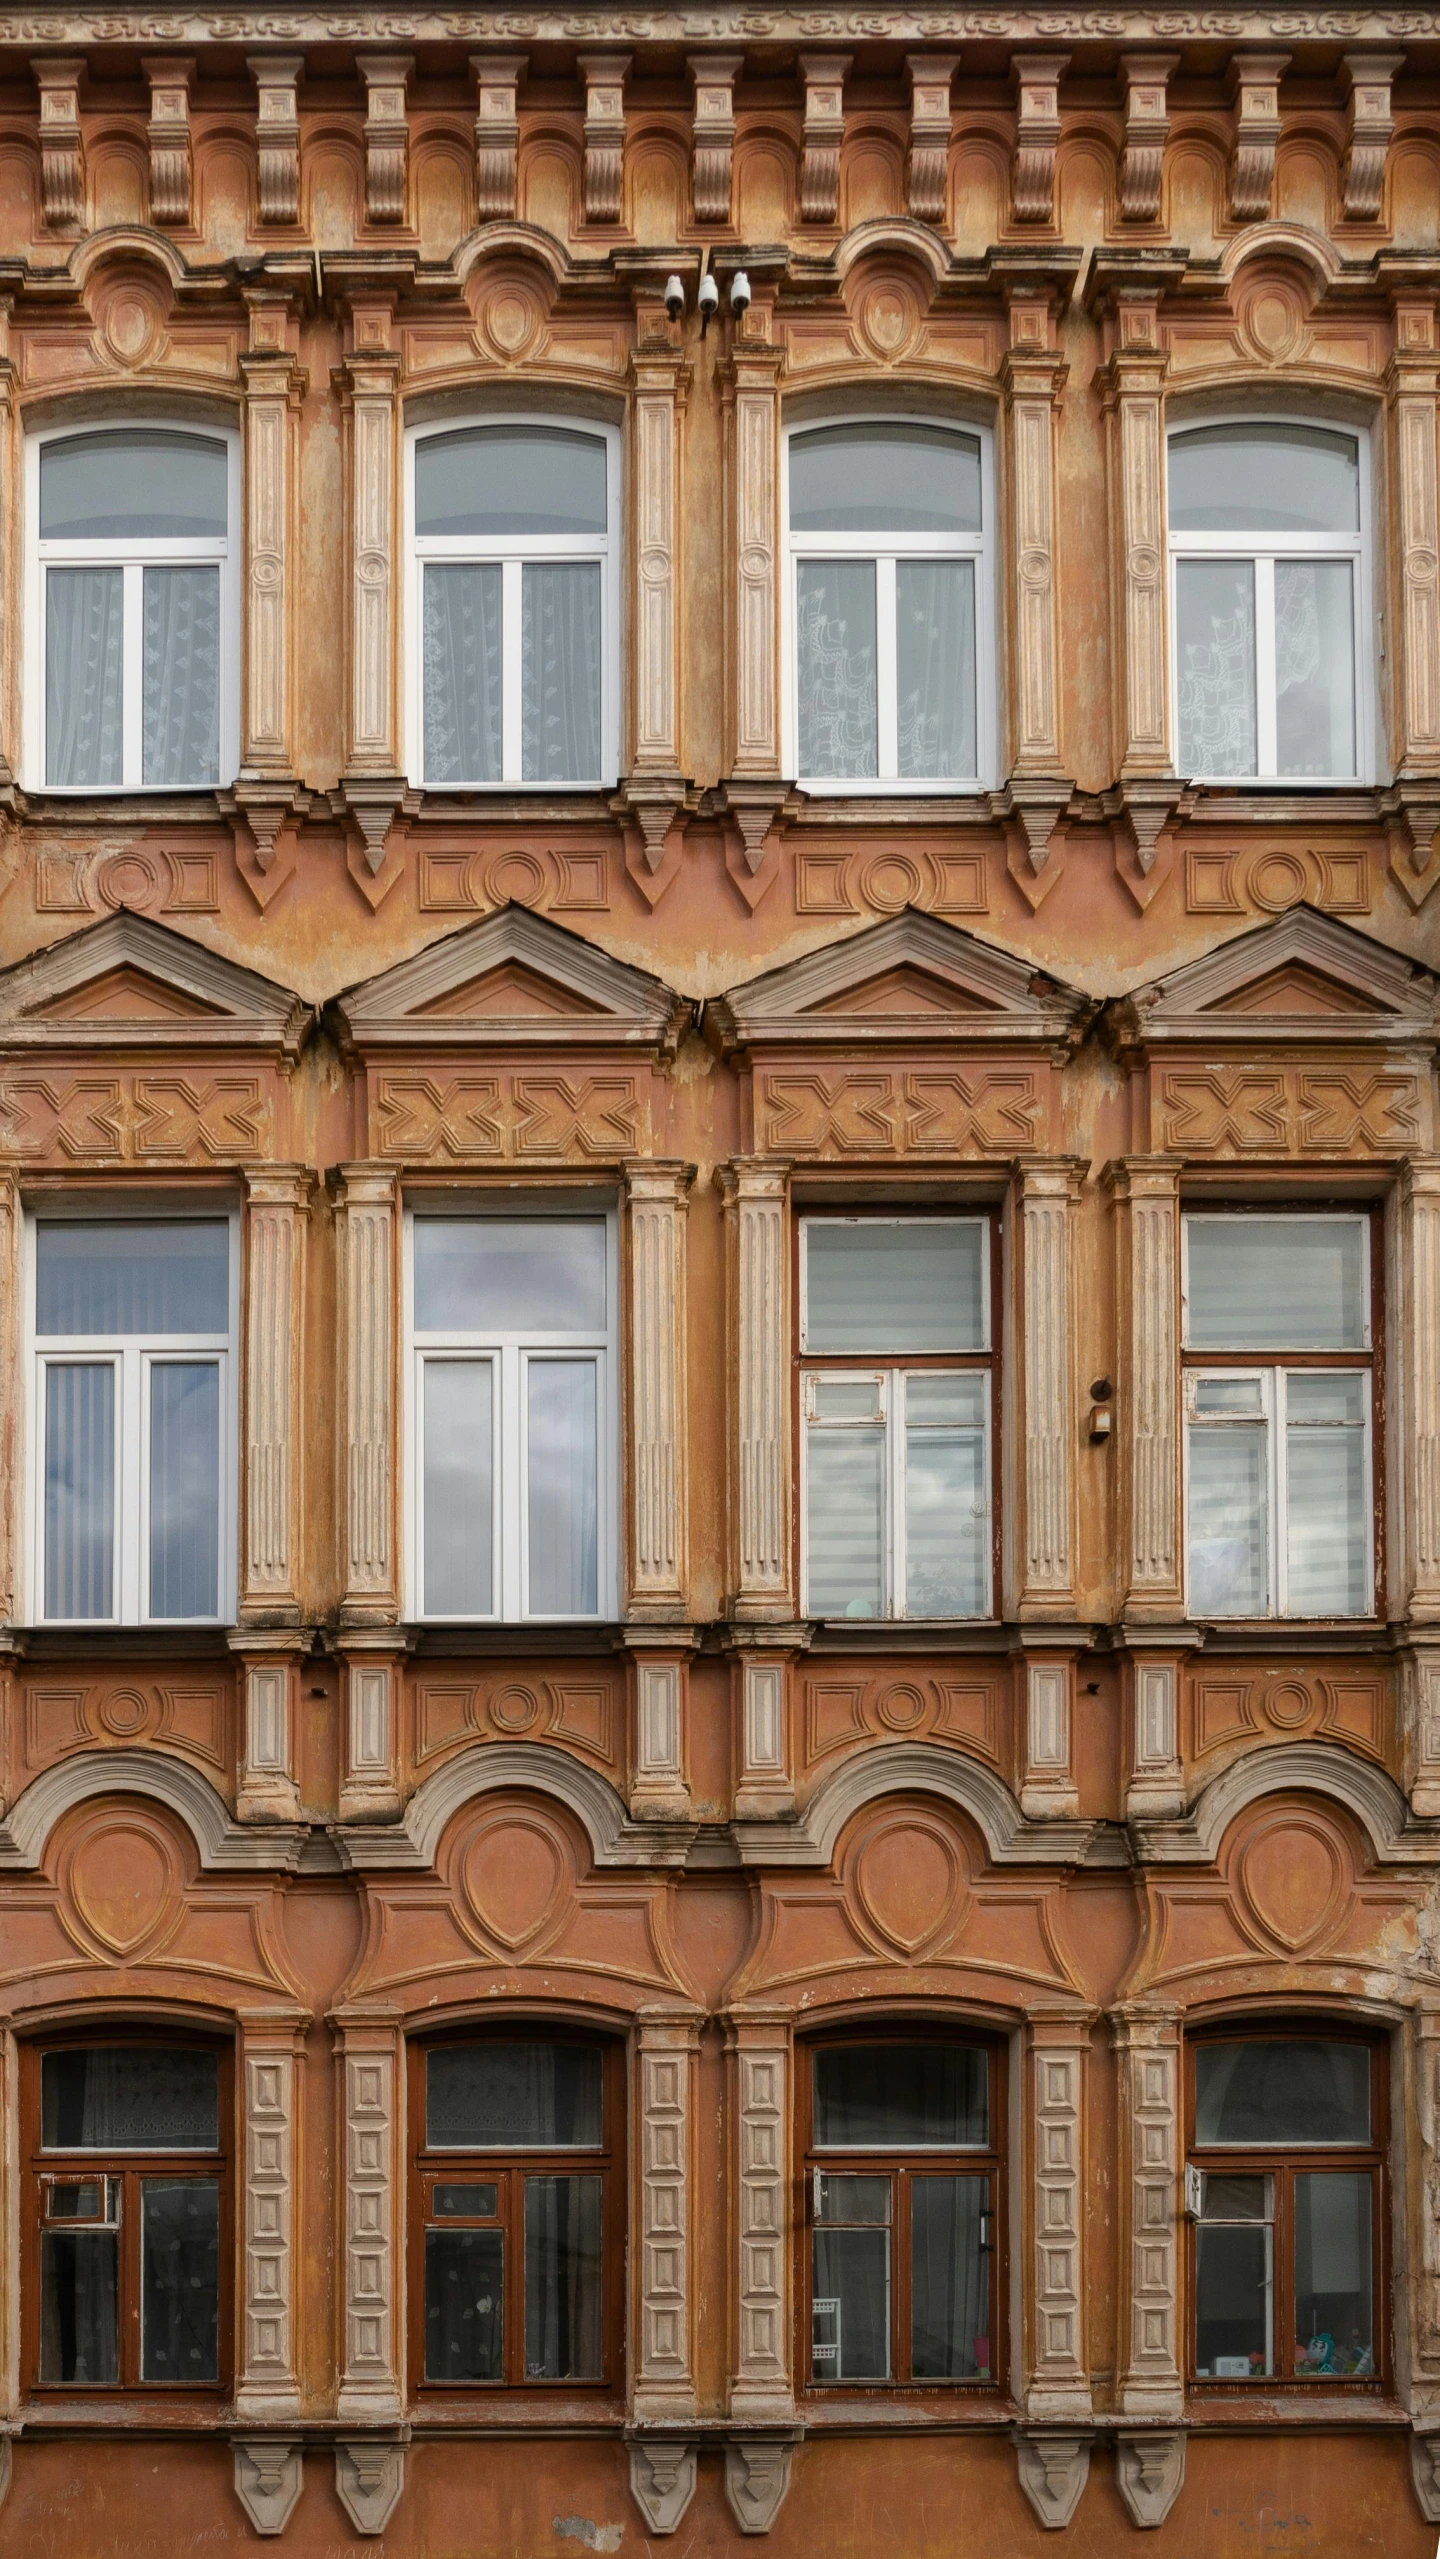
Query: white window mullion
1279, 1526
132, 678
132, 1482
894, 1526
512, 1487
887, 705
511, 753
1266, 749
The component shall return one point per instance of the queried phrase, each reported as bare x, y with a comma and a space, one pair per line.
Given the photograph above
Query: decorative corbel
757, 2477
604, 75
369, 2480
62, 149
168, 135
928, 167
824, 77
269, 2475
1149, 2473
1255, 89
662, 2478
277, 77
387, 132
1147, 126
1371, 125
497, 134
1053, 2472
1037, 135
713, 147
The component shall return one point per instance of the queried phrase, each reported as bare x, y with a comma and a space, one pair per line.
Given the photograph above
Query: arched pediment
1296, 1767
916, 1768
496, 1767
223, 1845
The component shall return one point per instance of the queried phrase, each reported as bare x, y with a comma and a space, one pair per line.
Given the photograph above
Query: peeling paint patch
591, 2536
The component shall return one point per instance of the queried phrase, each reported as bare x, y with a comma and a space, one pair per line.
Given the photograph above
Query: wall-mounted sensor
674, 297
740, 293
707, 301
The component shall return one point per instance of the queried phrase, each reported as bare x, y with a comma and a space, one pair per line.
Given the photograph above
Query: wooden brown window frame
988, 1212
507, 2170
1284, 2162
130, 2167
902, 2165
1371, 1361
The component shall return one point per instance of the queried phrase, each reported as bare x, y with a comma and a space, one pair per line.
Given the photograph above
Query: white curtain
182, 677
84, 627
461, 649
560, 672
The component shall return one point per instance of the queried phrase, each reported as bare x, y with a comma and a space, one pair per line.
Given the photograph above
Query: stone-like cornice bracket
1371, 125
497, 134
604, 75
1255, 89
62, 155
824, 77
1037, 135
713, 145
277, 77
1147, 125
928, 166
170, 76
386, 76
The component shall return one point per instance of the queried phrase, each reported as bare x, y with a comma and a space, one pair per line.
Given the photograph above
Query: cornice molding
731, 21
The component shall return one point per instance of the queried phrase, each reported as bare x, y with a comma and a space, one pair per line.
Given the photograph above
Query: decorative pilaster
927, 168
758, 2042
497, 134
269, 1788
755, 1204
824, 75
1033, 376
1048, 1186
663, 2387
1371, 126
1417, 1437
1048, 1791
367, 1218
750, 391
1133, 394
1037, 135
1147, 126
660, 379
661, 1676
11, 564
1412, 384
277, 78
763, 1656
274, 386
387, 133
1146, 1194
656, 1435
62, 147
171, 77
369, 1777
1147, 2045
1255, 89
604, 75
369, 2051
370, 379
267, 2390
276, 1224
12, 1400
1420, 2110
1057, 2385
713, 145
1155, 1790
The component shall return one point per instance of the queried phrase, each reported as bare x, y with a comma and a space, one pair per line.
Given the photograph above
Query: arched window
889, 663
903, 2161
133, 674
514, 615
1267, 544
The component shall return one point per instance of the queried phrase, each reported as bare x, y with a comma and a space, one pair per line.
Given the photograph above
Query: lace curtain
182, 677
935, 668
560, 672
1215, 645
835, 680
84, 650
460, 647
130, 2098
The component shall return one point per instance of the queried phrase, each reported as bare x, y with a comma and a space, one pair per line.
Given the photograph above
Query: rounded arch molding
917, 1768
222, 1844
491, 1768
1311, 1768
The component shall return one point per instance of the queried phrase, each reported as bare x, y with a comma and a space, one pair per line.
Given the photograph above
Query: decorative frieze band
928, 167
759, 2046
664, 2377
760, 1295
1255, 87
267, 2389
1037, 135
1148, 2050
824, 77
386, 76
657, 1436
713, 148
604, 75
1057, 2379
277, 78
497, 134
367, 1218
1147, 126
369, 2058
167, 134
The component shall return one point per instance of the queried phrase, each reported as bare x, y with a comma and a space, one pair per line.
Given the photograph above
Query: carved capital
1147, 126
277, 78
62, 151
171, 77
497, 133
604, 75
1255, 89
269, 2473
824, 76
387, 132
927, 168
1037, 134
713, 144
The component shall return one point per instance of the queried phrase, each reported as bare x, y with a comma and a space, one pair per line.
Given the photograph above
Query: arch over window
889, 660
133, 643
514, 610
1270, 574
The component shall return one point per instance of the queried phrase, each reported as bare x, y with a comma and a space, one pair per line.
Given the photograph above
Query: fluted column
1133, 393
276, 1222
368, 1240
1147, 2045
755, 1202
1033, 373
274, 387
1146, 1194
656, 1433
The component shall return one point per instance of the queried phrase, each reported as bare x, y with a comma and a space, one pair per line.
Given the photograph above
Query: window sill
521, 1636
586, 803
908, 1635
948, 2412
492, 2410
122, 1643
908, 804
1355, 2403
1279, 1634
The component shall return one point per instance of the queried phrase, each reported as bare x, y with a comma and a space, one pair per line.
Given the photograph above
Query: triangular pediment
1306, 976
513, 976
913, 977
131, 981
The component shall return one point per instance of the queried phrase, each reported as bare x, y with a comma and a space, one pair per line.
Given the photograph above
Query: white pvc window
889, 665
132, 640
1268, 528
896, 1447
512, 1495
513, 653
1278, 1451
133, 1424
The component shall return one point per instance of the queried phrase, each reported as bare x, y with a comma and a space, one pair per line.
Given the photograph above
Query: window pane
874, 478
853, 2199
1276, 1283
156, 1278
1327, 1519
459, 1487
79, 1489
850, 2305
179, 2279
560, 672
513, 2096
460, 648
133, 484
79, 2328
947, 1523
185, 1488
464, 2305
130, 2097
1264, 479
182, 676
901, 2097
563, 1539
508, 482
846, 1399
562, 2279
84, 625
845, 1523
1215, 663
490, 1275
935, 668
1232, 2300
1229, 1505
1314, 666
949, 2280
835, 668
1222, 1398
1281, 2091
1334, 2312
908, 1284
464, 2203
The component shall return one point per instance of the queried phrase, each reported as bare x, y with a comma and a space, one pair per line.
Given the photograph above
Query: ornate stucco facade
1077, 995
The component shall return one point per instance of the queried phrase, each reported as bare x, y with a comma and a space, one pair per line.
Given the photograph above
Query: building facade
720, 1279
